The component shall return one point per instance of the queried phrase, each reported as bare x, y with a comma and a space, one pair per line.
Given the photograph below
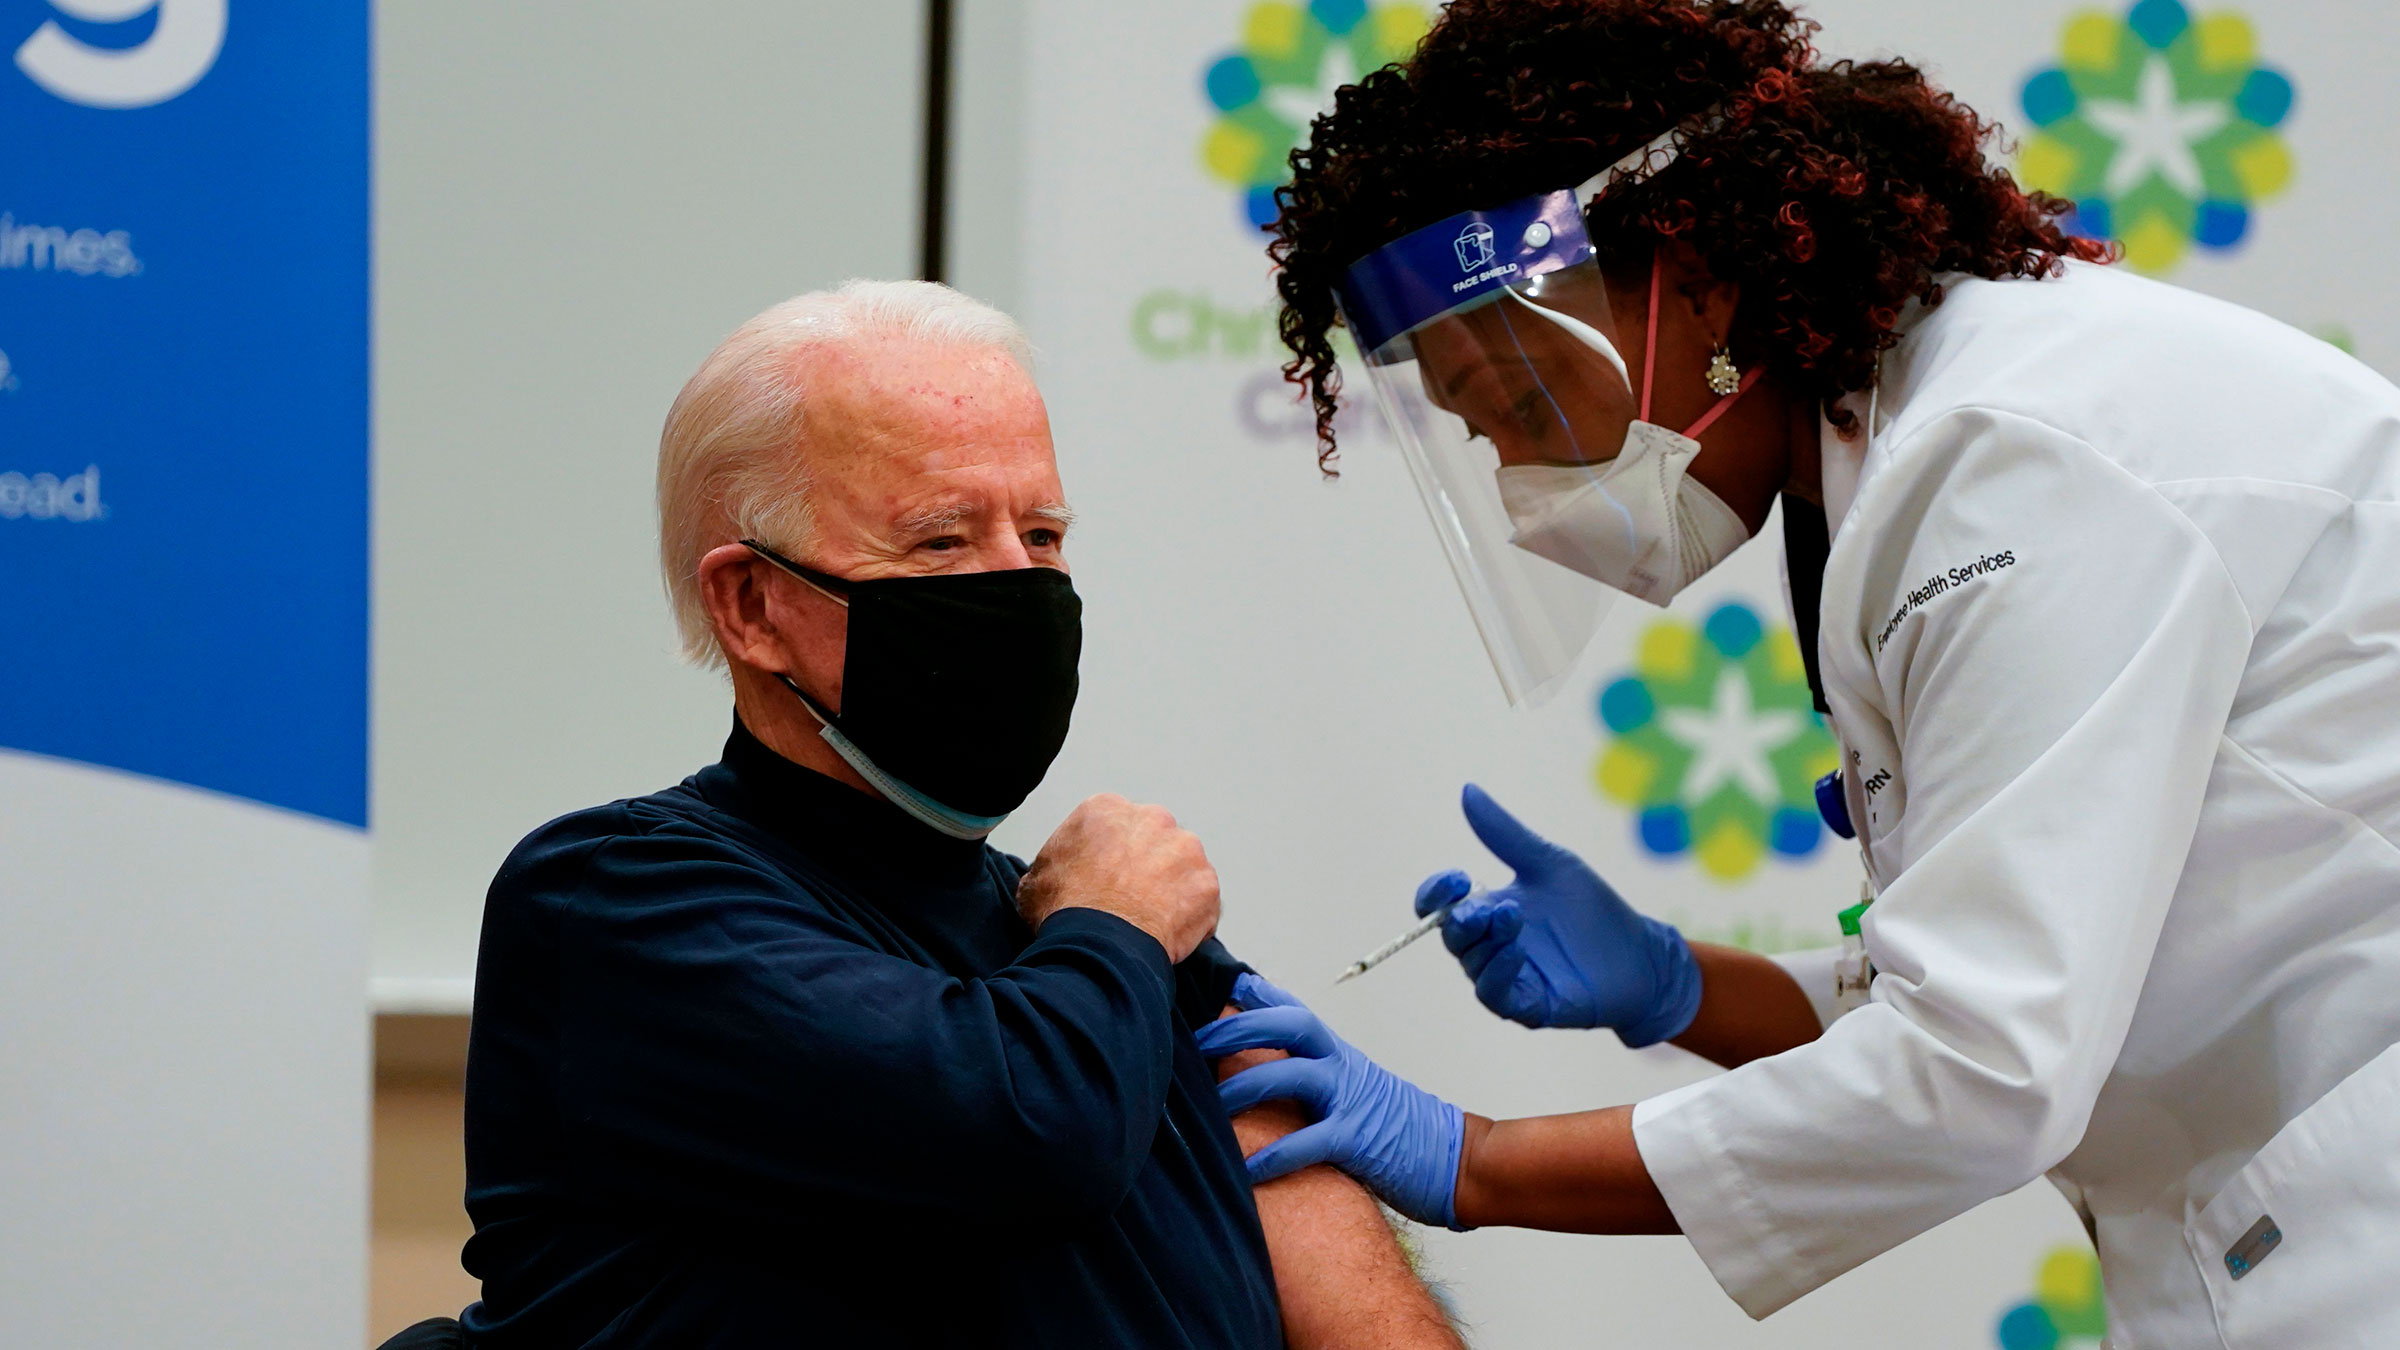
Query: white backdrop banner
183, 687
1287, 664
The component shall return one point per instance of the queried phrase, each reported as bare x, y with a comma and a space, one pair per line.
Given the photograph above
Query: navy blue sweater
760, 1061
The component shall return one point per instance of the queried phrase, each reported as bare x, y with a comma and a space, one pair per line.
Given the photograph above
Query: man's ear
733, 582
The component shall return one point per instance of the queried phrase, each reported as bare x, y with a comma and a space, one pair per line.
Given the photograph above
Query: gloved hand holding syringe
1555, 947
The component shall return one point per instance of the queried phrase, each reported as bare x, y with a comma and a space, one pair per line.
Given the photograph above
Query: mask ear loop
824, 719
816, 581
820, 582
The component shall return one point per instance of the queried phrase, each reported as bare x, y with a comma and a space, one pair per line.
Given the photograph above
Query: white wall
988, 151
575, 202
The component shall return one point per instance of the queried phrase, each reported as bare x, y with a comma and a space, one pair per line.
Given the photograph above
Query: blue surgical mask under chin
956, 824
947, 820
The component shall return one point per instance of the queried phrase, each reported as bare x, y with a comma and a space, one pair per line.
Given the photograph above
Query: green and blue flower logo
2160, 128
1291, 59
1715, 744
2066, 1311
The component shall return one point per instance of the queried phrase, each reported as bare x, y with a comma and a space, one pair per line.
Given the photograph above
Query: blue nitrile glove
1556, 947
1399, 1140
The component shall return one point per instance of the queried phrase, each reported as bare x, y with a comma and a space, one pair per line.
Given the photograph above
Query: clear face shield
1493, 349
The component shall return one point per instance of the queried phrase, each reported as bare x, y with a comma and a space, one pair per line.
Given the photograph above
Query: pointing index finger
1506, 836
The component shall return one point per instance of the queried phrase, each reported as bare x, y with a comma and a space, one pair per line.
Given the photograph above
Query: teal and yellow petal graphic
2067, 1310
1290, 60
2160, 127
1714, 745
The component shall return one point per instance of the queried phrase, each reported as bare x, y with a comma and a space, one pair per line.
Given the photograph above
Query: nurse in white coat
2105, 594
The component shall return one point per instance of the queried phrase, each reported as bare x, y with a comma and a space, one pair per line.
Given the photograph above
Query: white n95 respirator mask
1641, 525
1491, 344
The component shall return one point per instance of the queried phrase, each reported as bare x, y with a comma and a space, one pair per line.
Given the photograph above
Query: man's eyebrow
936, 520
940, 519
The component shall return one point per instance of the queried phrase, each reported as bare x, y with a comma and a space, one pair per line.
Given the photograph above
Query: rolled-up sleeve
2056, 717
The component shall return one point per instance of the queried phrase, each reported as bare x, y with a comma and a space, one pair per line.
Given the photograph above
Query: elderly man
787, 1055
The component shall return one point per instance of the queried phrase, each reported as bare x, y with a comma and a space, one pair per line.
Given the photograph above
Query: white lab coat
2111, 636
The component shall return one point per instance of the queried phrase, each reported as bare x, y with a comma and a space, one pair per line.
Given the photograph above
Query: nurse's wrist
1750, 1008
1580, 1173
1470, 1198
1680, 988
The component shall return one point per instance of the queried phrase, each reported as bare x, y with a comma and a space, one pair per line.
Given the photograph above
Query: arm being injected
1340, 1273
1554, 947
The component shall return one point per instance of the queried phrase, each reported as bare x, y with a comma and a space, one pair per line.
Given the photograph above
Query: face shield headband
1492, 346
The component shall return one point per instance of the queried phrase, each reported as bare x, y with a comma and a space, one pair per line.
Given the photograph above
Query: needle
1385, 952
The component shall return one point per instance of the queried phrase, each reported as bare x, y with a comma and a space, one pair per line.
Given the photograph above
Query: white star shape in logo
1299, 107
2157, 132
1731, 741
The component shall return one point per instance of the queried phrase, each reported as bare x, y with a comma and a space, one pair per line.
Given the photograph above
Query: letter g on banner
180, 50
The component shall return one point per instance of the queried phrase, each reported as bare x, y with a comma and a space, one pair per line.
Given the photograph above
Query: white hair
730, 461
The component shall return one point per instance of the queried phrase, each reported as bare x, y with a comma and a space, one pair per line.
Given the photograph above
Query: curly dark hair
1833, 194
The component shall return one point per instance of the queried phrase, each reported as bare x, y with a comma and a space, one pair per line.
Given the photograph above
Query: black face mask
956, 688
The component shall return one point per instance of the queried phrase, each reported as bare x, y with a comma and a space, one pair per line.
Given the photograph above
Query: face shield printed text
1431, 271
1942, 583
1488, 274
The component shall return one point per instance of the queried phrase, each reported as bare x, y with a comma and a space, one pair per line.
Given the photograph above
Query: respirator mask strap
1646, 162
1650, 368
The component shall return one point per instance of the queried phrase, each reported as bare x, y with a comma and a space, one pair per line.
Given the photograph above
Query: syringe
1385, 952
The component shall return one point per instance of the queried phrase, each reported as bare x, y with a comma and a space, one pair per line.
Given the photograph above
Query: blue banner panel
184, 416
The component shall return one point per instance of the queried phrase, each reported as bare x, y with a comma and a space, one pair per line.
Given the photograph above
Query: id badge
1854, 973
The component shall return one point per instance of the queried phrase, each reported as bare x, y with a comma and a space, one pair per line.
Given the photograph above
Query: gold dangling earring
1723, 377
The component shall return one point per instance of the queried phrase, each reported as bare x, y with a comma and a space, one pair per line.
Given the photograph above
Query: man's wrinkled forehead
887, 389
913, 435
